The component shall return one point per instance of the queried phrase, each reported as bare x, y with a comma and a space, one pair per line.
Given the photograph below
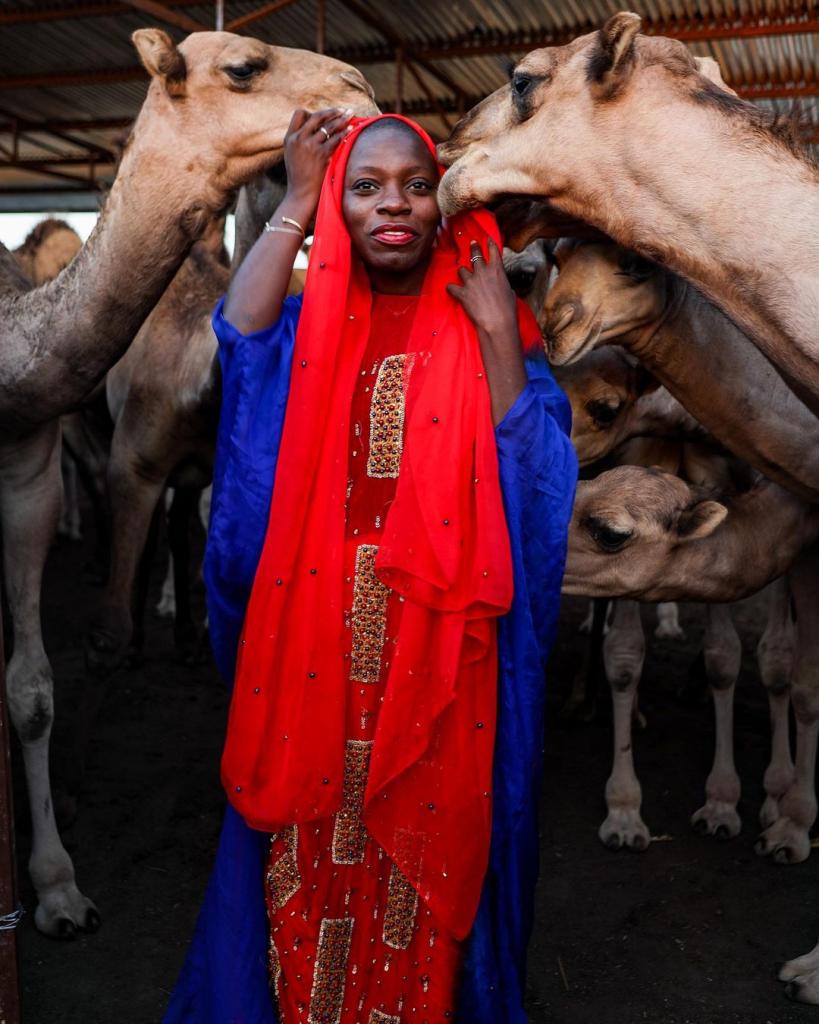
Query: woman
387, 713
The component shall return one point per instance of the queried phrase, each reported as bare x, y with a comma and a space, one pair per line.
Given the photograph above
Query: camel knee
31, 701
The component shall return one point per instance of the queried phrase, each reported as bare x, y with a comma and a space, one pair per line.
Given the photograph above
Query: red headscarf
445, 548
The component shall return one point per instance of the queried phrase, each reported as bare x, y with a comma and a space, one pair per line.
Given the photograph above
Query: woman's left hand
490, 303
486, 294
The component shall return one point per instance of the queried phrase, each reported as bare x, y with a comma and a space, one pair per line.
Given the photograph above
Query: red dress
351, 942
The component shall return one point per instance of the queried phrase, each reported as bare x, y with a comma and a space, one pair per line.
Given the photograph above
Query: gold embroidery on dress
387, 417
274, 965
369, 617
283, 878
379, 1017
349, 834
327, 995
402, 905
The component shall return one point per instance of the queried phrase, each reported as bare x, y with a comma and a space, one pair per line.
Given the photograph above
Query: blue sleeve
255, 385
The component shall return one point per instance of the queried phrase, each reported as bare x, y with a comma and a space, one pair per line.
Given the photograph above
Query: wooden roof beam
162, 12
261, 12
33, 15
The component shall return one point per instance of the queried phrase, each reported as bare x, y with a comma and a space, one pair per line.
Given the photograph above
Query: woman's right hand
310, 141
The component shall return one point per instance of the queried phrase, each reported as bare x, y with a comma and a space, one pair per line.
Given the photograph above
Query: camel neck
729, 386
700, 203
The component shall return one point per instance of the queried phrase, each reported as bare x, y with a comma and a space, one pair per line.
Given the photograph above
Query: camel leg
581, 704
775, 656
30, 499
70, 524
722, 650
135, 487
788, 838
623, 655
180, 516
668, 622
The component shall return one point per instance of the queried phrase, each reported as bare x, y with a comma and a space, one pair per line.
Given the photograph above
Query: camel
164, 397
604, 293
216, 112
624, 655
646, 534
48, 248
614, 399
215, 115
632, 135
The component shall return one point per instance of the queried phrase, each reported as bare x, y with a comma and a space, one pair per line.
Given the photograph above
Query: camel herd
678, 309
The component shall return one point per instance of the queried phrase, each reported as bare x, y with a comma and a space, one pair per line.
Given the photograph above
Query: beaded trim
349, 834
327, 995
402, 906
379, 1017
283, 878
387, 417
369, 617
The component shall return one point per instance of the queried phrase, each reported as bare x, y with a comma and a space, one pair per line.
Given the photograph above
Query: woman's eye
364, 186
421, 186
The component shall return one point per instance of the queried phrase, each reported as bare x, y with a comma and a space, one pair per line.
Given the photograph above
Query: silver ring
474, 259
326, 133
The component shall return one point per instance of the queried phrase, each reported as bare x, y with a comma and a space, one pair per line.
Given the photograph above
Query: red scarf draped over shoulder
445, 549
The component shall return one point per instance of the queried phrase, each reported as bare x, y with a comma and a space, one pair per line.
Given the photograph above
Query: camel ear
709, 69
613, 52
700, 520
161, 58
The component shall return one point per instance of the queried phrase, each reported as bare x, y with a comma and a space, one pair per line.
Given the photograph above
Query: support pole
9, 912
220, 15
321, 27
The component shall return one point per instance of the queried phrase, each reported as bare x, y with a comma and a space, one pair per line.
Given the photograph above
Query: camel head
219, 104
522, 268
601, 291
568, 113
627, 527
603, 389
49, 246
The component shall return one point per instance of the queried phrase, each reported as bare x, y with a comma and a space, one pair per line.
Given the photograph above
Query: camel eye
242, 73
607, 537
521, 84
636, 268
603, 412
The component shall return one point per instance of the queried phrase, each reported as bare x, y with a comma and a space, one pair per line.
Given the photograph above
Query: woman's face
389, 202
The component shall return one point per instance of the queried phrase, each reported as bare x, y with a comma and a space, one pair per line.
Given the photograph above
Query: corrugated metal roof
74, 41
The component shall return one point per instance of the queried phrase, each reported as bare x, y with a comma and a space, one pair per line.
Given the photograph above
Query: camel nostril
564, 315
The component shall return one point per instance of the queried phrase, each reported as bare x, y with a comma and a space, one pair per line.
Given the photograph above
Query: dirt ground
687, 933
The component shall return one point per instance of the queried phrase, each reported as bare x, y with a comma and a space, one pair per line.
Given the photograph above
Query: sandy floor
686, 933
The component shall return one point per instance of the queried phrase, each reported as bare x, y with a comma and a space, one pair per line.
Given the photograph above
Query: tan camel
630, 134
605, 294
648, 535
48, 248
215, 114
614, 399
624, 656
164, 397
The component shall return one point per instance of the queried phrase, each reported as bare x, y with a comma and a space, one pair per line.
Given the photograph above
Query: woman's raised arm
254, 299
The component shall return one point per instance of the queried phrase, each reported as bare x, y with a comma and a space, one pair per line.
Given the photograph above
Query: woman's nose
393, 202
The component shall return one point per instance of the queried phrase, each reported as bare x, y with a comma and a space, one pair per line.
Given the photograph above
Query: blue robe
224, 979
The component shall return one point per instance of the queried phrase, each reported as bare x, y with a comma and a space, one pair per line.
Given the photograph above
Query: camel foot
624, 828
769, 812
717, 818
63, 912
800, 965
804, 989
104, 653
785, 841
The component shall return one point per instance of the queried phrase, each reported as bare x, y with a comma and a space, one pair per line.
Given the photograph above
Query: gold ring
326, 133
